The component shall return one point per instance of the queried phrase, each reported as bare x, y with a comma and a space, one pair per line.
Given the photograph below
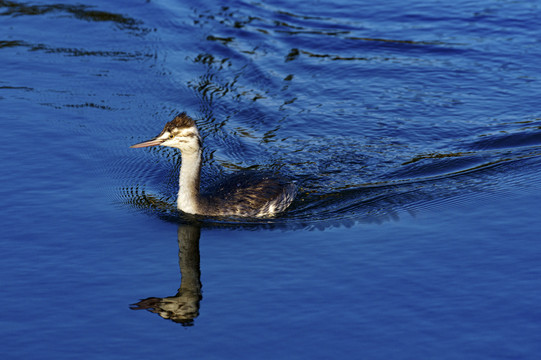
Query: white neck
190, 173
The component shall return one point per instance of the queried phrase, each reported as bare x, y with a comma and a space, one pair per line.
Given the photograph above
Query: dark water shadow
81, 12
183, 307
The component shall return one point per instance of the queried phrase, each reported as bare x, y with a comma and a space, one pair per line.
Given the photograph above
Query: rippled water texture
413, 130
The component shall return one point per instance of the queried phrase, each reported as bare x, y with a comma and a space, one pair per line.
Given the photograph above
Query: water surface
413, 131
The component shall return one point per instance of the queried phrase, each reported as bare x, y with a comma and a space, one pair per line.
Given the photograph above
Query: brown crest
180, 121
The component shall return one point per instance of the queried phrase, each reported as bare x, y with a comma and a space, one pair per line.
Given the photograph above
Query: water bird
242, 195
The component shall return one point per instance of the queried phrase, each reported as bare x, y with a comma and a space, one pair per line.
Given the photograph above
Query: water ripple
369, 113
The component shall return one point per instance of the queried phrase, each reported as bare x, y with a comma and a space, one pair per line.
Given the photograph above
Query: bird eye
171, 136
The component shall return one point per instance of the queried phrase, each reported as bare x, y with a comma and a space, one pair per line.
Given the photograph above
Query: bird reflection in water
183, 307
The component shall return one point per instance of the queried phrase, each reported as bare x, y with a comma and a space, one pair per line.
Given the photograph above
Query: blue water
414, 133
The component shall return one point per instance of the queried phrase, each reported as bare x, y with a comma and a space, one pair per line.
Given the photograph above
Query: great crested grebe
240, 196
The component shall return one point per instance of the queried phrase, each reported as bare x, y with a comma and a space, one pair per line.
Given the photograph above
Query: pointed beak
148, 143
